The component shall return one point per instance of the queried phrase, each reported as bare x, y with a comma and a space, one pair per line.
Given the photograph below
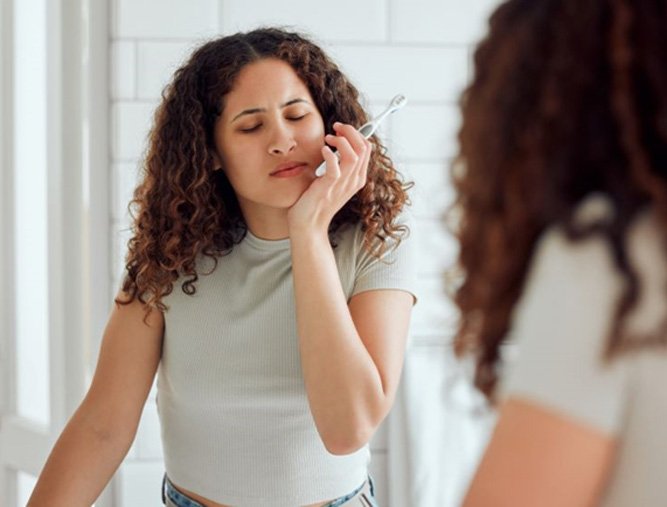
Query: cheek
234, 155
314, 133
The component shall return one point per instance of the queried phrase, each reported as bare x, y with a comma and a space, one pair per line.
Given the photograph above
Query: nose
282, 140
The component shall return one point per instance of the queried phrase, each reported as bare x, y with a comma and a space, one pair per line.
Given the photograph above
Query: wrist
308, 232
307, 227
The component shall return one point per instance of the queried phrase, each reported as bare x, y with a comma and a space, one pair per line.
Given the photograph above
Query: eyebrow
256, 110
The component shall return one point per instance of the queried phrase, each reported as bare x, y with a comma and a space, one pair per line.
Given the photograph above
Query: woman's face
269, 136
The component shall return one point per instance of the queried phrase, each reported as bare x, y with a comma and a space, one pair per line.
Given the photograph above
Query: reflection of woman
562, 219
254, 286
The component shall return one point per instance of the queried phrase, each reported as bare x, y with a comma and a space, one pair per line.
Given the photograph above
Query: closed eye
251, 129
256, 127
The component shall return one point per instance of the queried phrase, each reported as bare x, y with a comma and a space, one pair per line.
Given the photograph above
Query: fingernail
337, 124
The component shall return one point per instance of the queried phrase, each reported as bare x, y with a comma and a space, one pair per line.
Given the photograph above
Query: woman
275, 303
562, 219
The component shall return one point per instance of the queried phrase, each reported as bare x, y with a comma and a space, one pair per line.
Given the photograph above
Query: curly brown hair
568, 98
184, 208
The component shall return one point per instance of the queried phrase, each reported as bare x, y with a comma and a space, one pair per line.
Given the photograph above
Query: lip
288, 169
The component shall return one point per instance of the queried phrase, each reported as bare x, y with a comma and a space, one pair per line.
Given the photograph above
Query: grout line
392, 44
372, 102
136, 70
397, 44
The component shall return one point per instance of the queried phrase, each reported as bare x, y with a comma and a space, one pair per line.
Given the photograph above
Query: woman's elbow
341, 443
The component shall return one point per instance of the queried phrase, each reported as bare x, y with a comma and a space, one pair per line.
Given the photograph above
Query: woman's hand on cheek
344, 178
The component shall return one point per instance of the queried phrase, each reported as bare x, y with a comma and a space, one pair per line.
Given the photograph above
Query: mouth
289, 169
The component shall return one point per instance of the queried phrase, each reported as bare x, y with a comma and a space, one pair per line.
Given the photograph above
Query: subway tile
165, 19
424, 133
379, 440
132, 453
157, 62
125, 179
121, 234
419, 73
131, 122
345, 20
438, 248
434, 314
440, 21
123, 70
149, 442
140, 483
432, 193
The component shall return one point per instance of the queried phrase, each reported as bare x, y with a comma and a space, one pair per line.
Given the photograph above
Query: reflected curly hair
568, 98
184, 208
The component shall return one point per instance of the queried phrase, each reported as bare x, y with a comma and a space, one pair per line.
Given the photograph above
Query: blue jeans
364, 494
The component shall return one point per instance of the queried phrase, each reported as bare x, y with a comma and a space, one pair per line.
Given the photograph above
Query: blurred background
79, 82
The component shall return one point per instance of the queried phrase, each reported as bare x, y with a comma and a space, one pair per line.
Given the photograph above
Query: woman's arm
351, 355
539, 457
99, 434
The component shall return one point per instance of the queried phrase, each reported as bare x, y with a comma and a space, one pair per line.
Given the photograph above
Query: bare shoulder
133, 317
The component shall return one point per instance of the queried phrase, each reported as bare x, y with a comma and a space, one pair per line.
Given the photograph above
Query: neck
266, 222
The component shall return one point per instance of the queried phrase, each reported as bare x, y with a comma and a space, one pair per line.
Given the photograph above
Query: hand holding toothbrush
342, 174
346, 174
368, 129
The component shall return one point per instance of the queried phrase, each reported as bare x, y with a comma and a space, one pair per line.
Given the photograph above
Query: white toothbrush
368, 129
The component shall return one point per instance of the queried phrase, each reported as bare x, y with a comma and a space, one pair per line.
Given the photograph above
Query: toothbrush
368, 129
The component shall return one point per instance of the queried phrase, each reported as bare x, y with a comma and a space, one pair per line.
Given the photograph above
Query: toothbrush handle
367, 130
322, 168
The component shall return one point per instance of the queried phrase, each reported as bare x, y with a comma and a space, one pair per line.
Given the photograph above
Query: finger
354, 137
348, 157
331, 159
362, 147
360, 175
364, 164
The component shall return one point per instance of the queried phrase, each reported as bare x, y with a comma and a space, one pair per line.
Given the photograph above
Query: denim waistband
182, 500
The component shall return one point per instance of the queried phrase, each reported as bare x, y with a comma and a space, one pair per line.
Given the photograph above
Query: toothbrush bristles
398, 101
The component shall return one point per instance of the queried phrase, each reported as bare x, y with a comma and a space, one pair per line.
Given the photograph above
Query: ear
216, 161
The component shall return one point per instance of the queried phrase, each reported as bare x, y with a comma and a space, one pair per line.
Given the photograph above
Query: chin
280, 201
286, 204
284, 199
288, 199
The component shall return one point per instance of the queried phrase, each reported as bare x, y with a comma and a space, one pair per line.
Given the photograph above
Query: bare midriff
209, 503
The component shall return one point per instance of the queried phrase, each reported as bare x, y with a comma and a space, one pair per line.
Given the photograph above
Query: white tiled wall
417, 47
439, 22
343, 20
